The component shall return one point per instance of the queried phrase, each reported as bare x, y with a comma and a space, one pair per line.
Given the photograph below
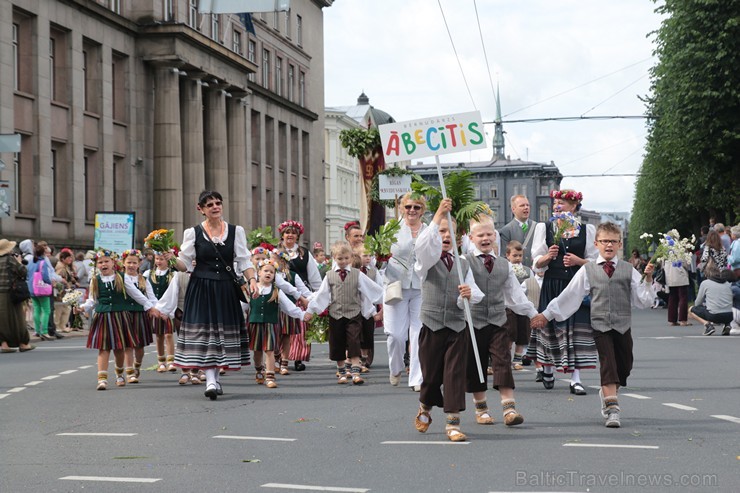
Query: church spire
499, 151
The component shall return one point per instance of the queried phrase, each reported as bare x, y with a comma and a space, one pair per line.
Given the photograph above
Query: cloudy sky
550, 58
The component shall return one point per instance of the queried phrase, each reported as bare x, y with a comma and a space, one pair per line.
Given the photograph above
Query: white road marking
313, 488
16, 389
112, 479
732, 419
3, 396
84, 367
661, 337
34, 383
680, 406
67, 372
637, 396
595, 387
50, 377
609, 445
97, 434
421, 442
237, 437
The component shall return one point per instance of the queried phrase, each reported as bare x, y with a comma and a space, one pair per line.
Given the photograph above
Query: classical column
238, 167
214, 126
193, 169
168, 213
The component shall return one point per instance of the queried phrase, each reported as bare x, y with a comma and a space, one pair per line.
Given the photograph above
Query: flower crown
101, 252
133, 252
282, 255
351, 224
570, 195
318, 246
290, 224
268, 261
260, 250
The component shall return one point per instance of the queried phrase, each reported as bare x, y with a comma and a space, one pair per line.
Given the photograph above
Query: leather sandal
420, 425
484, 418
184, 379
456, 435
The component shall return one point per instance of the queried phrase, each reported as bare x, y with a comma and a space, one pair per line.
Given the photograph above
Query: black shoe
708, 329
726, 330
538, 377
59, 336
219, 389
299, 366
548, 381
526, 361
577, 389
211, 392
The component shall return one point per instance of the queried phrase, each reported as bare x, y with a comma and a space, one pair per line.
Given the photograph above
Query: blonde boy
518, 324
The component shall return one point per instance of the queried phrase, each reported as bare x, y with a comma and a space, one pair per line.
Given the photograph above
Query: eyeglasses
409, 207
609, 242
212, 204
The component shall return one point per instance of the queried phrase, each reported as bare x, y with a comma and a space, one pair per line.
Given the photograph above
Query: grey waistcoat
439, 295
345, 295
490, 311
610, 298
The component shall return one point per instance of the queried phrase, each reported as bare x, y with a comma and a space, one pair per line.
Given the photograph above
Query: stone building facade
140, 105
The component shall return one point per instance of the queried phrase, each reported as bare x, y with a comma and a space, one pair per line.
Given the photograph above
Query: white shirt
286, 306
167, 304
429, 250
514, 296
539, 244
312, 269
569, 300
371, 294
242, 255
131, 288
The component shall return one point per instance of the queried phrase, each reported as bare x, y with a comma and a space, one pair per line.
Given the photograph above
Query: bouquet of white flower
72, 298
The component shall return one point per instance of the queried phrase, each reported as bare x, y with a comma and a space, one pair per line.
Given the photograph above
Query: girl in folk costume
160, 277
141, 326
264, 323
110, 327
290, 328
303, 264
560, 248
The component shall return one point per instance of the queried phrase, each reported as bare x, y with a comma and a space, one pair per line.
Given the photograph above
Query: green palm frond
460, 189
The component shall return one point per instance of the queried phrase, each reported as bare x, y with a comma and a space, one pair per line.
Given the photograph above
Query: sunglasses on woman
409, 207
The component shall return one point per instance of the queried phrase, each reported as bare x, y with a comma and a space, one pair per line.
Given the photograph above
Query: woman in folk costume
160, 277
213, 333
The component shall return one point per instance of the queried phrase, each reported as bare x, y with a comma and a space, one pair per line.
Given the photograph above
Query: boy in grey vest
347, 293
495, 276
444, 339
615, 286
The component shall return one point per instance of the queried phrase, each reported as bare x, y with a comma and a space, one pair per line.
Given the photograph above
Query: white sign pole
466, 303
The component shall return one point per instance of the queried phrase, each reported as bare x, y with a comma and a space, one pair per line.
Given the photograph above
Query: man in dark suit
521, 228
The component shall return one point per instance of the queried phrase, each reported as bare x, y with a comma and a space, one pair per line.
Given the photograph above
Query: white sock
547, 369
211, 376
576, 376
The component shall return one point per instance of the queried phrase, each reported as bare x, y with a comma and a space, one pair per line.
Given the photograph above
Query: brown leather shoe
421, 426
513, 419
484, 418
456, 435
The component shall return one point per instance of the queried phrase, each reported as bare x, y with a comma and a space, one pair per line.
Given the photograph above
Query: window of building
251, 56
302, 89
236, 42
266, 69
544, 213
214, 27
544, 190
287, 23
279, 76
84, 80
476, 192
167, 13
291, 81
523, 189
118, 69
193, 17
91, 77
115, 6
276, 20
494, 192
17, 181
515, 190
299, 30
16, 59
54, 184
52, 69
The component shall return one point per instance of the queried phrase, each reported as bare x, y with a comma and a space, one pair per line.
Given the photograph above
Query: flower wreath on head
133, 252
268, 261
267, 246
260, 250
318, 246
570, 195
101, 252
285, 256
351, 224
290, 224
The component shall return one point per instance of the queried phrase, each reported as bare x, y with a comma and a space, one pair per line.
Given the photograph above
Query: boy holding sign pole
444, 338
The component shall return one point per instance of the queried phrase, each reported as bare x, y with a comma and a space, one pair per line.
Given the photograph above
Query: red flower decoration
570, 195
267, 246
290, 224
351, 224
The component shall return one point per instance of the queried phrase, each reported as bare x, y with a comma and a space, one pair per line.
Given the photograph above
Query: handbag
393, 293
239, 281
41, 288
19, 291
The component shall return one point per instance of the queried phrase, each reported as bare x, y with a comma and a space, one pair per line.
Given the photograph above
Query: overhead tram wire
459, 64
485, 54
616, 93
577, 118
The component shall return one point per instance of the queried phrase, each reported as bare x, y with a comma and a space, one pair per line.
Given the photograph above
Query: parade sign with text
433, 136
114, 230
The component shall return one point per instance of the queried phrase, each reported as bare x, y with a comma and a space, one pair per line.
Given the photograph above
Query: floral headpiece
292, 225
260, 251
101, 252
132, 253
351, 224
268, 261
267, 246
318, 246
282, 255
569, 195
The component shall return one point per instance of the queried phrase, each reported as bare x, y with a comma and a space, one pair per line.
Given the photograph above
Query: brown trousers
615, 356
493, 340
518, 328
344, 335
443, 357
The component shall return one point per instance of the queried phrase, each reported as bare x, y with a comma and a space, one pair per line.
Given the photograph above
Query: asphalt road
680, 428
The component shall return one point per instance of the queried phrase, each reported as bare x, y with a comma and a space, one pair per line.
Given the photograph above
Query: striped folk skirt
567, 345
289, 325
263, 336
141, 325
161, 327
213, 333
111, 331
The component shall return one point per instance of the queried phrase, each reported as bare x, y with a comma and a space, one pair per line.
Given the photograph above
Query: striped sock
102, 375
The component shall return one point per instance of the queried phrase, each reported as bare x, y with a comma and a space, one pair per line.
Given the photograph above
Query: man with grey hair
521, 228
723, 236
